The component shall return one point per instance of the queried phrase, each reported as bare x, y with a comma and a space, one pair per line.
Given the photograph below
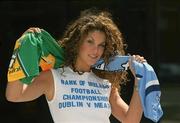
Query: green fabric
35, 46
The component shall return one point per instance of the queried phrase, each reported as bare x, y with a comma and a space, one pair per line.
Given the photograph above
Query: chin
91, 62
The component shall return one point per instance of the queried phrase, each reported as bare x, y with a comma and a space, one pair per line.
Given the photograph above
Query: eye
90, 41
102, 45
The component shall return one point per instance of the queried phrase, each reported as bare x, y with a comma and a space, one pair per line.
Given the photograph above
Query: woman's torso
79, 98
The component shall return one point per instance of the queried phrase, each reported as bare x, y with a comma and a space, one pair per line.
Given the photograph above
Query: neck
81, 69
78, 66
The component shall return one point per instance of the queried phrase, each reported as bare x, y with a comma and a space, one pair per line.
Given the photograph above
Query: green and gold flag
33, 53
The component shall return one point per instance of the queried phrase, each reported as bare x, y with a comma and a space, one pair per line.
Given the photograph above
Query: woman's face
91, 49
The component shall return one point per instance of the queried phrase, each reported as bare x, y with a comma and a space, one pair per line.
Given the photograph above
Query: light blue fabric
116, 64
149, 90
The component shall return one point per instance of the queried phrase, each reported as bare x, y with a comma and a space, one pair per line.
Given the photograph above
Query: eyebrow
104, 42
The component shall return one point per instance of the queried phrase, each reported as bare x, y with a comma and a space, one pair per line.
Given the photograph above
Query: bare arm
123, 112
16, 91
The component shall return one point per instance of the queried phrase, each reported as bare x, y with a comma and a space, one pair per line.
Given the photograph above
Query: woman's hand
139, 59
33, 30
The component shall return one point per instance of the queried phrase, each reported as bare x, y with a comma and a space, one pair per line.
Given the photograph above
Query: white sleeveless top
79, 98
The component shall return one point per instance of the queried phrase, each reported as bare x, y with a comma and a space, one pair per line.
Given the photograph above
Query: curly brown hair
90, 21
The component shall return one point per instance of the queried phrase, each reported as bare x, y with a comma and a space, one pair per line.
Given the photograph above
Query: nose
95, 50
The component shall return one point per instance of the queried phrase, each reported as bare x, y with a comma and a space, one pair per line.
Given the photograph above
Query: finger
130, 64
38, 30
141, 59
136, 58
144, 60
34, 30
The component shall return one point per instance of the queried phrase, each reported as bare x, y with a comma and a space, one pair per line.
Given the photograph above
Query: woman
76, 93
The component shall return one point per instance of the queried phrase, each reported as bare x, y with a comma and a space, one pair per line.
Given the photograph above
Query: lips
93, 56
